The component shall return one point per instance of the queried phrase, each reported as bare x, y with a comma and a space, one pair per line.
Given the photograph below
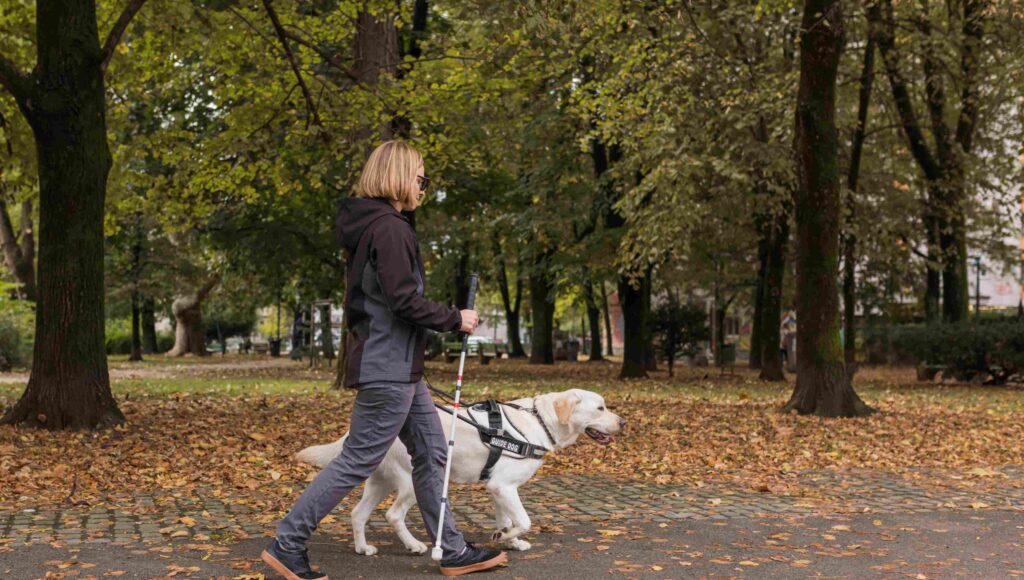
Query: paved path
552, 500
944, 544
842, 522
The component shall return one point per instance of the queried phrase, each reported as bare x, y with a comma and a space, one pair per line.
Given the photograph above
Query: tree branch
883, 26
972, 31
14, 80
294, 62
115, 34
331, 59
935, 94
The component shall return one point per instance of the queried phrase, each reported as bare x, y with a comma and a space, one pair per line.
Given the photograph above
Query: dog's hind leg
506, 497
396, 516
377, 488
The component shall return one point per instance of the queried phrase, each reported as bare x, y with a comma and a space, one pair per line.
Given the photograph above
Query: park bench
260, 347
927, 372
500, 350
452, 351
487, 351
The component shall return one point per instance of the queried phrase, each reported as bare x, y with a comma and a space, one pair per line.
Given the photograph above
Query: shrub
679, 329
17, 330
119, 337
994, 349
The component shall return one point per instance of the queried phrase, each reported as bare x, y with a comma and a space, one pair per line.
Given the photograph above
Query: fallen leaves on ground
698, 427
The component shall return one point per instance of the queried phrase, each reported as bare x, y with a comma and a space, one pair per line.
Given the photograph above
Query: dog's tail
321, 455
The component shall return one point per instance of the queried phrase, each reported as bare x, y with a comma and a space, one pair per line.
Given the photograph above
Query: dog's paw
518, 544
506, 534
366, 550
418, 548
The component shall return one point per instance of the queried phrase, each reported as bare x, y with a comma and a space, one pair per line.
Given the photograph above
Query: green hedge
967, 350
17, 329
119, 337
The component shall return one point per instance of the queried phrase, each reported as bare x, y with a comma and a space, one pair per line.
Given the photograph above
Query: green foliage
679, 328
17, 329
119, 337
967, 349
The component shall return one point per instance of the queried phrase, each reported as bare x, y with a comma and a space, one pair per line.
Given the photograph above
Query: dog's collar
536, 413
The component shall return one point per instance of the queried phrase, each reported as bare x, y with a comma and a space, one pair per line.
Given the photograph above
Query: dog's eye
601, 408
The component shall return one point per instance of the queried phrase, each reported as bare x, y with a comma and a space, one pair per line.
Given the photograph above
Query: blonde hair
391, 173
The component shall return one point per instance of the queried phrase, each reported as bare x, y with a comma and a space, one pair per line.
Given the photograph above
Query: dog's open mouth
599, 436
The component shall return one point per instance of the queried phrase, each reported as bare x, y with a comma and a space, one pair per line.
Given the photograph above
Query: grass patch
222, 386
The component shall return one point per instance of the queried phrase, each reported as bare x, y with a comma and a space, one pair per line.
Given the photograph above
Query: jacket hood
355, 214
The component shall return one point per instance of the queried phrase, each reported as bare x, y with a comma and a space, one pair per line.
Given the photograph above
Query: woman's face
418, 197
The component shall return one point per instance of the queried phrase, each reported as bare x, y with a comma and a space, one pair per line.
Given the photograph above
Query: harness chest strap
496, 439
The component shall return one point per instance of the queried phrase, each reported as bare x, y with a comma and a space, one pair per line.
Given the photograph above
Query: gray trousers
383, 411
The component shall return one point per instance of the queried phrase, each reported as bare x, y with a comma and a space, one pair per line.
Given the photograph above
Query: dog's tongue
600, 437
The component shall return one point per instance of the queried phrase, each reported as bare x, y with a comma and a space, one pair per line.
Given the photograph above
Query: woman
387, 315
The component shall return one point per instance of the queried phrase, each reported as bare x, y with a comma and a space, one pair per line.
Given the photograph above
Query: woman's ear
565, 404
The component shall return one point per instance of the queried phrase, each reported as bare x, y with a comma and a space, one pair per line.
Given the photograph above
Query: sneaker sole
280, 568
494, 562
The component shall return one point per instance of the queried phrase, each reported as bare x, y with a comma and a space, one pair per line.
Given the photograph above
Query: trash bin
275, 347
728, 352
572, 350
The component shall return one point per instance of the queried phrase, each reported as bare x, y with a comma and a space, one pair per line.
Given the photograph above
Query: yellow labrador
565, 415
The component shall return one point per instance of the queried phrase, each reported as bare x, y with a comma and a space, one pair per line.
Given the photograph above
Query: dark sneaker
472, 559
290, 565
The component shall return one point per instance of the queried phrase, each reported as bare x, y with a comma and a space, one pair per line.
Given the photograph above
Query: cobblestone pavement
553, 501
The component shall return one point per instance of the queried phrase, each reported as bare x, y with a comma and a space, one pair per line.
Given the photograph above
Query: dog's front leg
503, 522
510, 509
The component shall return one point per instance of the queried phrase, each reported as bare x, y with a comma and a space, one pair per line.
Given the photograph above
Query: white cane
436, 552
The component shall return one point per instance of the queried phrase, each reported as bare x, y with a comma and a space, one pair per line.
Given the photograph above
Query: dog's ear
564, 406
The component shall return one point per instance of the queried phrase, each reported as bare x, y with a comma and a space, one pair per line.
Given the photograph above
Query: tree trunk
136, 354
511, 308
650, 357
867, 77
148, 313
954, 239
327, 336
411, 46
933, 276
944, 169
764, 221
542, 306
19, 255
460, 283
775, 271
953, 243
64, 102
631, 299
189, 337
299, 337
822, 386
610, 345
593, 319
756, 336
375, 53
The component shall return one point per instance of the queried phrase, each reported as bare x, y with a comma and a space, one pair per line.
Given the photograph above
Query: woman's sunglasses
424, 180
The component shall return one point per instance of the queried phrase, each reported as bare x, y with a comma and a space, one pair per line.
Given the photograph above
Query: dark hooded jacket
384, 305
